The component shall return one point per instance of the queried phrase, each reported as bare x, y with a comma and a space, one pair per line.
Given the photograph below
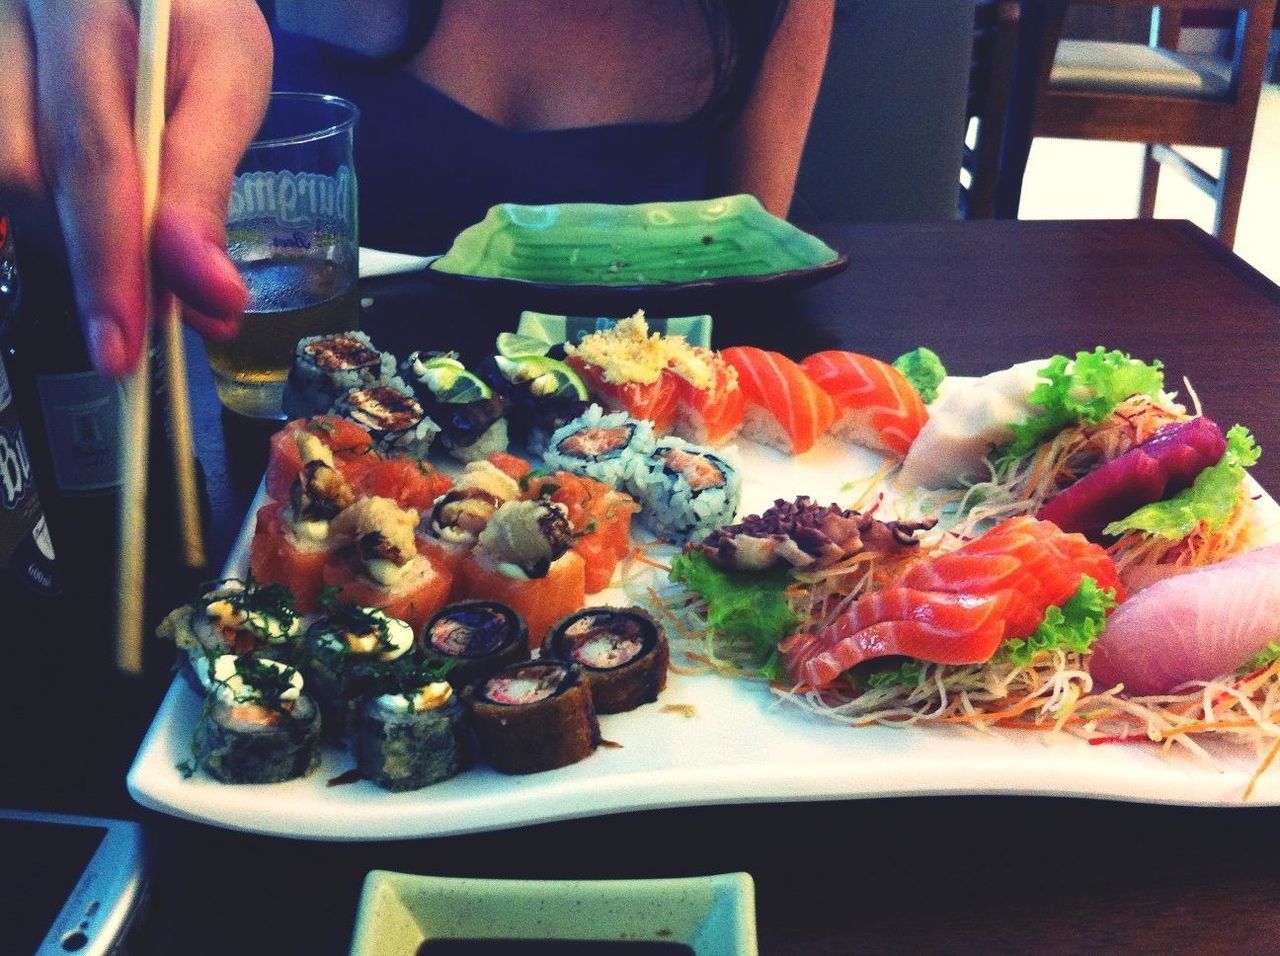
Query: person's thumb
223, 56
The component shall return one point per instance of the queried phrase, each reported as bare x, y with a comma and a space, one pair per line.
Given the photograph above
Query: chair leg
1235, 163
1150, 182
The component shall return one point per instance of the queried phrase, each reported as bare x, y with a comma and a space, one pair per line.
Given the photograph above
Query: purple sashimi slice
1165, 463
1113, 491
1184, 449
1196, 626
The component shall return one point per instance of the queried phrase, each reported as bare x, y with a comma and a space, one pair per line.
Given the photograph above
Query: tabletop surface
945, 875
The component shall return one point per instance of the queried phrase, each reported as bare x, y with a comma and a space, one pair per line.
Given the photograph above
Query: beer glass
291, 231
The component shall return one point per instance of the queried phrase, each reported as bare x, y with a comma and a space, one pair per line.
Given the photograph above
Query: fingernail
106, 346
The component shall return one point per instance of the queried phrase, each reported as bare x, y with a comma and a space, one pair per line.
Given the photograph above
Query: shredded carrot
1253, 781
1202, 726
993, 717
643, 559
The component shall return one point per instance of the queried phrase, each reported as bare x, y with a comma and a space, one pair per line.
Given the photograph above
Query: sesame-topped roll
326, 367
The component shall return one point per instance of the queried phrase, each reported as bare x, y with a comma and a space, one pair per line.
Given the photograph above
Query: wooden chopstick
181, 441
135, 409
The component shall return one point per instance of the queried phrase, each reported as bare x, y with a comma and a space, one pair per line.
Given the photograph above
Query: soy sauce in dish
553, 947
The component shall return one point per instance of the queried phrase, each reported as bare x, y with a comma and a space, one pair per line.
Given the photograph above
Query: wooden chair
1089, 89
995, 43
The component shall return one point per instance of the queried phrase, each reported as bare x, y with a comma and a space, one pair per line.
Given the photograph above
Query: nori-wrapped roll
542, 393
257, 726
533, 716
476, 638
406, 740
602, 445
470, 415
623, 654
345, 653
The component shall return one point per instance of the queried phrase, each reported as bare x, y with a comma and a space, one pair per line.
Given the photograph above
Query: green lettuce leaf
1086, 389
1261, 660
1210, 499
742, 605
907, 674
924, 370
1071, 627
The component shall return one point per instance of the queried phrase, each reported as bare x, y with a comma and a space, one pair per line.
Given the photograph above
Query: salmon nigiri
878, 407
785, 408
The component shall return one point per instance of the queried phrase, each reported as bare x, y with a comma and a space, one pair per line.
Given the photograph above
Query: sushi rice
685, 490
326, 367
393, 416
600, 445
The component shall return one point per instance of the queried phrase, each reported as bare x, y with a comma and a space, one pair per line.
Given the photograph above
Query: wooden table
919, 875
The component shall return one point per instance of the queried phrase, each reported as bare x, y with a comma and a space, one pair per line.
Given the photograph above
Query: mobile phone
70, 884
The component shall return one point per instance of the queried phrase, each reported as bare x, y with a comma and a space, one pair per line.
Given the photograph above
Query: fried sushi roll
346, 653
685, 491
257, 725
600, 446
623, 654
475, 639
326, 367
232, 617
408, 739
533, 716
392, 416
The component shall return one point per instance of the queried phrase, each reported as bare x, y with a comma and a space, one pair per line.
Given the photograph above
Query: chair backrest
888, 129
995, 44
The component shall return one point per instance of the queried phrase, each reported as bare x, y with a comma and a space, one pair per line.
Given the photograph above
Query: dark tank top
427, 166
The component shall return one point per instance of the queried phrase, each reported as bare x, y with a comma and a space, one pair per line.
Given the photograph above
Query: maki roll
410, 735
291, 540
523, 559
458, 516
685, 491
475, 638
622, 652
599, 445
239, 618
600, 518
325, 367
342, 444
378, 563
533, 716
470, 415
257, 726
542, 394
345, 653
396, 421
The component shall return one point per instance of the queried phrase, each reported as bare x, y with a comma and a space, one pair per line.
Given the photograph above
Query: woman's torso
529, 101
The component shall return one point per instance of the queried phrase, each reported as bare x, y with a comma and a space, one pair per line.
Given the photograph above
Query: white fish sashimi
1195, 626
966, 423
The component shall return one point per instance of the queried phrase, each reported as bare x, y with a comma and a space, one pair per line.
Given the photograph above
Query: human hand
68, 165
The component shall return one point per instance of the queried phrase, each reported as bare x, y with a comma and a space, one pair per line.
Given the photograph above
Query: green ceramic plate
554, 329
714, 915
646, 254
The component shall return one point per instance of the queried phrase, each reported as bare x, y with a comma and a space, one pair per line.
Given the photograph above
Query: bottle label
25, 547
82, 420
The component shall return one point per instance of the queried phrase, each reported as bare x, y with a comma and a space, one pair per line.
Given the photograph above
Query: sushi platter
708, 737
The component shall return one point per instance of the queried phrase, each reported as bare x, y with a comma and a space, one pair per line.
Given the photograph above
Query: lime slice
513, 344
544, 376
465, 388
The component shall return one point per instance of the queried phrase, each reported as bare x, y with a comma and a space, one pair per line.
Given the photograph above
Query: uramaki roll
533, 716
623, 654
476, 638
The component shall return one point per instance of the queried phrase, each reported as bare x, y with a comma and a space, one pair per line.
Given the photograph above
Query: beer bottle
28, 571
70, 414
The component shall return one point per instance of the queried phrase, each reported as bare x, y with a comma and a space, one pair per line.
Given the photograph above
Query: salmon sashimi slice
879, 407
785, 408
711, 415
654, 401
970, 634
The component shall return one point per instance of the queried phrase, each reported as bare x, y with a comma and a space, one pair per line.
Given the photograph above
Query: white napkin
376, 262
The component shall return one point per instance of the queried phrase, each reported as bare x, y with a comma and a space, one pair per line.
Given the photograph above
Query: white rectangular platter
707, 740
